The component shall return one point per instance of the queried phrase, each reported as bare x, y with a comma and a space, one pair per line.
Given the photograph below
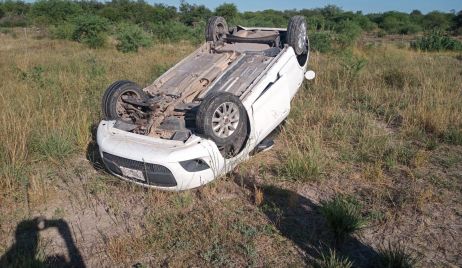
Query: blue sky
354, 5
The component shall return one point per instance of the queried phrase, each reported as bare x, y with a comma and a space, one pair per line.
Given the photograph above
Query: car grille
156, 175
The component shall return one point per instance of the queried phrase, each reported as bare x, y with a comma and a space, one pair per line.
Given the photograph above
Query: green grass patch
331, 259
395, 256
343, 216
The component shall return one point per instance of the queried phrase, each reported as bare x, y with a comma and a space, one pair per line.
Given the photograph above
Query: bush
63, 31
130, 37
14, 21
436, 41
348, 33
54, 11
321, 41
176, 31
91, 30
343, 215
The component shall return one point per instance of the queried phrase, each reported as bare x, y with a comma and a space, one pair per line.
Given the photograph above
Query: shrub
436, 41
343, 215
91, 30
395, 256
14, 21
348, 33
63, 31
54, 11
321, 41
130, 37
176, 31
332, 260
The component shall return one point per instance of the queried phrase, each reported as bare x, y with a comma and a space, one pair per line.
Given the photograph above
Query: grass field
367, 168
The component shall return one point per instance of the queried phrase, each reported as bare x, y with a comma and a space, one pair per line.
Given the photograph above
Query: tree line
88, 21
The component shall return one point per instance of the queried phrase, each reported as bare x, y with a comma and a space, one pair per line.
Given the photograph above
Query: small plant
395, 256
343, 215
453, 136
436, 41
216, 255
54, 146
395, 78
130, 37
352, 64
332, 260
300, 165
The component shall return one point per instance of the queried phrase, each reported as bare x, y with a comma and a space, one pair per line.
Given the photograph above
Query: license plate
132, 173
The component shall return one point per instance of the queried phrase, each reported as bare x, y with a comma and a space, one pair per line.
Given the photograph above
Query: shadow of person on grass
301, 221
25, 251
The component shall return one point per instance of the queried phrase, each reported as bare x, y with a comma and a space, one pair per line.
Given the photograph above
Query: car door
273, 105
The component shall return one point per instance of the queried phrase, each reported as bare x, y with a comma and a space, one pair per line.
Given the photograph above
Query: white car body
266, 107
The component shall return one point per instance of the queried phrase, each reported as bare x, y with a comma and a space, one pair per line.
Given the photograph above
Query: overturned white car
209, 112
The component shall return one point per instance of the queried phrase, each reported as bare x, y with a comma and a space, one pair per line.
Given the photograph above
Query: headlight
194, 165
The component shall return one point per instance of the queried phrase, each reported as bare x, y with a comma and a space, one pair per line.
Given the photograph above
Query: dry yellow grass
51, 93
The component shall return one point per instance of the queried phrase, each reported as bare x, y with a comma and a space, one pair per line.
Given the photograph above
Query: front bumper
155, 163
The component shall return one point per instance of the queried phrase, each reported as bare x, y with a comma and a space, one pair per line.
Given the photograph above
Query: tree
227, 10
54, 11
193, 14
458, 23
436, 20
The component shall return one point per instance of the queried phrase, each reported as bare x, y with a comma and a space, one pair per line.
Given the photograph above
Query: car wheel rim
219, 31
302, 37
225, 119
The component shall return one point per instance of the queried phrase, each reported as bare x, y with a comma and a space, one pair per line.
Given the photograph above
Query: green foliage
54, 146
176, 31
457, 27
436, 41
63, 31
300, 165
130, 37
343, 216
348, 33
436, 20
395, 256
394, 22
352, 64
91, 30
227, 11
54, 11
332, 260
193, 14
321, 41
14, 21
453, 136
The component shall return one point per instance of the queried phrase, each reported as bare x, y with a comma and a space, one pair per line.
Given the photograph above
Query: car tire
222, 118
112, 100
216, 29
297, 37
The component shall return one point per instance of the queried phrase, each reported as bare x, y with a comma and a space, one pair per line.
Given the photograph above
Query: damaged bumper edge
158, 163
